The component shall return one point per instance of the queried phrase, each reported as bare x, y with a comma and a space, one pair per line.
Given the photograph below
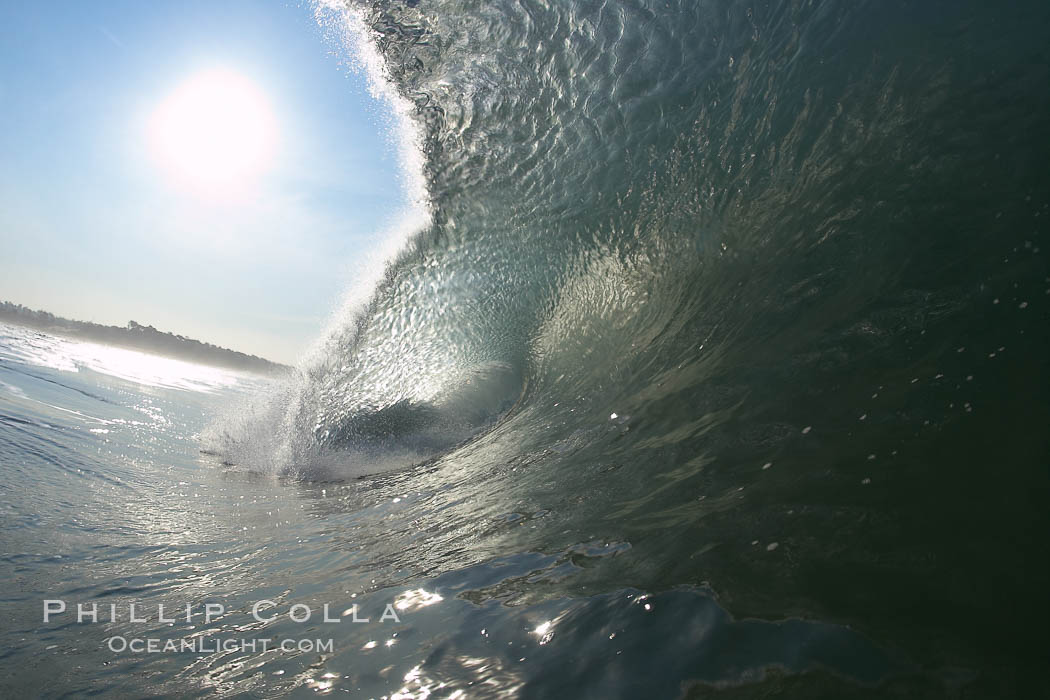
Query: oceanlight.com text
204, 645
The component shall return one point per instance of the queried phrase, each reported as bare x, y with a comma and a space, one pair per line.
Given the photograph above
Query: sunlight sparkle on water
130, 365
417, 598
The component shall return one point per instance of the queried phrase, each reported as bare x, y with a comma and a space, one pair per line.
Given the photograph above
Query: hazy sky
97, 223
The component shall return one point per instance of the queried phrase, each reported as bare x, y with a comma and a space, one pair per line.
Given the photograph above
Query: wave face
701, 275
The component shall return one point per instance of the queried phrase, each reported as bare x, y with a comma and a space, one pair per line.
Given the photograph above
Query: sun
214, 131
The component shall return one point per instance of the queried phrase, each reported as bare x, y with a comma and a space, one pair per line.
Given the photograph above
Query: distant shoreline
138, 337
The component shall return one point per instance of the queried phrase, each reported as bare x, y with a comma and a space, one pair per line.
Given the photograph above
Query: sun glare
216, 130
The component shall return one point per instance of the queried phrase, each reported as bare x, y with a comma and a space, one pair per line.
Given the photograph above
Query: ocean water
715, 365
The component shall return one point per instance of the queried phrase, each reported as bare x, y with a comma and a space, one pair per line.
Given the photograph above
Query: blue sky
91, 225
